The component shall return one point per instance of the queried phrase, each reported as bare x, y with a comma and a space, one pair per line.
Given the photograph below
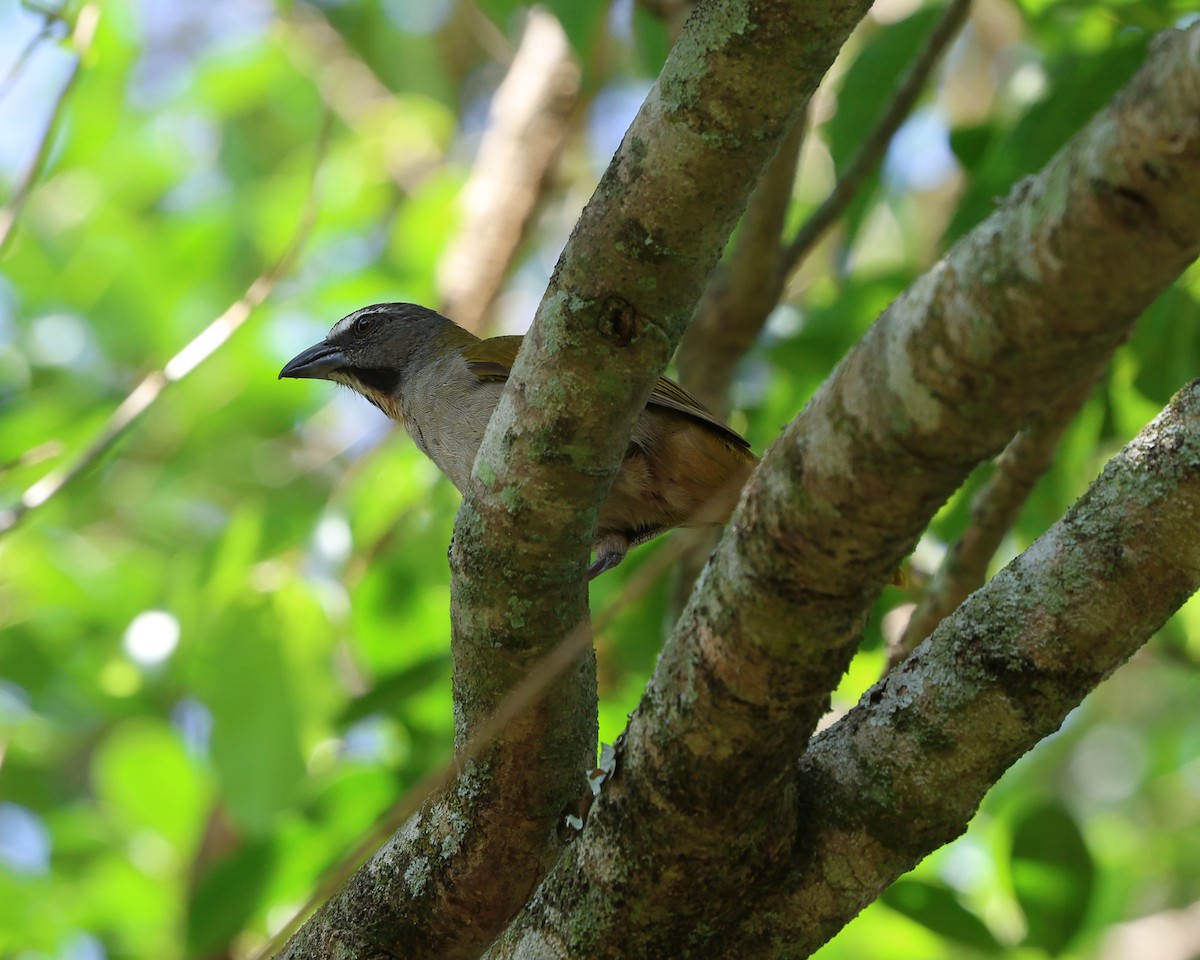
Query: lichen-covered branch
620, 298
703, 807
904, 771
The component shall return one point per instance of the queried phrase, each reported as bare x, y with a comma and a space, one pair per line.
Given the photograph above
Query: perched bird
683, 467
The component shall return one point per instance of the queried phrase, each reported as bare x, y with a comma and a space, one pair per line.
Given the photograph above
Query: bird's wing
492, 360
667, 393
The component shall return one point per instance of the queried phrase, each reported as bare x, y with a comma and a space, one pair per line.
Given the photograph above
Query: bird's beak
315, 363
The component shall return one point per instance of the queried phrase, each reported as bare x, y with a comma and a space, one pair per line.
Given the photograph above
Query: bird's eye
363, 324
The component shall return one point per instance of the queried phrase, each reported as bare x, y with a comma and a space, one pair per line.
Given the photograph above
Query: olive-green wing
492, 360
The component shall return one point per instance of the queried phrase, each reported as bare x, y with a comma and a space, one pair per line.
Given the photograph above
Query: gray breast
446, 410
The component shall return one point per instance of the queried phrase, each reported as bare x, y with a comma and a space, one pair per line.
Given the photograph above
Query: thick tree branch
903, 772
624, 290
421, 853
1019, 310
521, 541
619, 300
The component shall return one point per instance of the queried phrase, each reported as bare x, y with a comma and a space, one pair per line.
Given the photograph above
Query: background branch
51, 24
871, 151
527, 126
81, 39
993, 512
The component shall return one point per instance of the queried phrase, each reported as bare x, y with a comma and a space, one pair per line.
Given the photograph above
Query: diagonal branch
621, 296
339, 922
904, 771
199, 349
742, 292
1026, 304
51, 24
738, 298
526, 130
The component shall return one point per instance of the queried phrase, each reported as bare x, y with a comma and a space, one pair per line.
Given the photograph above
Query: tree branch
617, 304
81, 39
740, 295
527, 124
621, 295
53, 20
742, 292
993, 512
702, 810
353, 921
904, 771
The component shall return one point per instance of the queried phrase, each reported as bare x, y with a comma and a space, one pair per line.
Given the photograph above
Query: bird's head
375, 349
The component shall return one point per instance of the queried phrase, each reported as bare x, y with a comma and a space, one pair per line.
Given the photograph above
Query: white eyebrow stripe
347, 321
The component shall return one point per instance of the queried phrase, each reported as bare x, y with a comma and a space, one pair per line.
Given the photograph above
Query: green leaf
1092, 79
937, 908
142, 773
1053, 875
255, 743
226, 897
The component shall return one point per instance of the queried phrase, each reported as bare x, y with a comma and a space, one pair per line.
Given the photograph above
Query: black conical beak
315, 363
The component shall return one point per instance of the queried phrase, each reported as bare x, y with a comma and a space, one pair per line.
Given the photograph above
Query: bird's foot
610, 550
604, 561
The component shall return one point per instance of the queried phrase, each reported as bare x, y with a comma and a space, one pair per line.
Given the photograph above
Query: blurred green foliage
224, 650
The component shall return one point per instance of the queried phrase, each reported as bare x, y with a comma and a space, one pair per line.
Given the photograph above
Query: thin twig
54, 19
994, 510
81, 40
524, 695
870, 152
184, 362
43, 451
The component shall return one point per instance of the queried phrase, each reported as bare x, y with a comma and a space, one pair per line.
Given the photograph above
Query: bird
683, 466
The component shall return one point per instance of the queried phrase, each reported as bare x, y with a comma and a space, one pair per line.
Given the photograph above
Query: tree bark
905, 770
704, 809
622, 293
